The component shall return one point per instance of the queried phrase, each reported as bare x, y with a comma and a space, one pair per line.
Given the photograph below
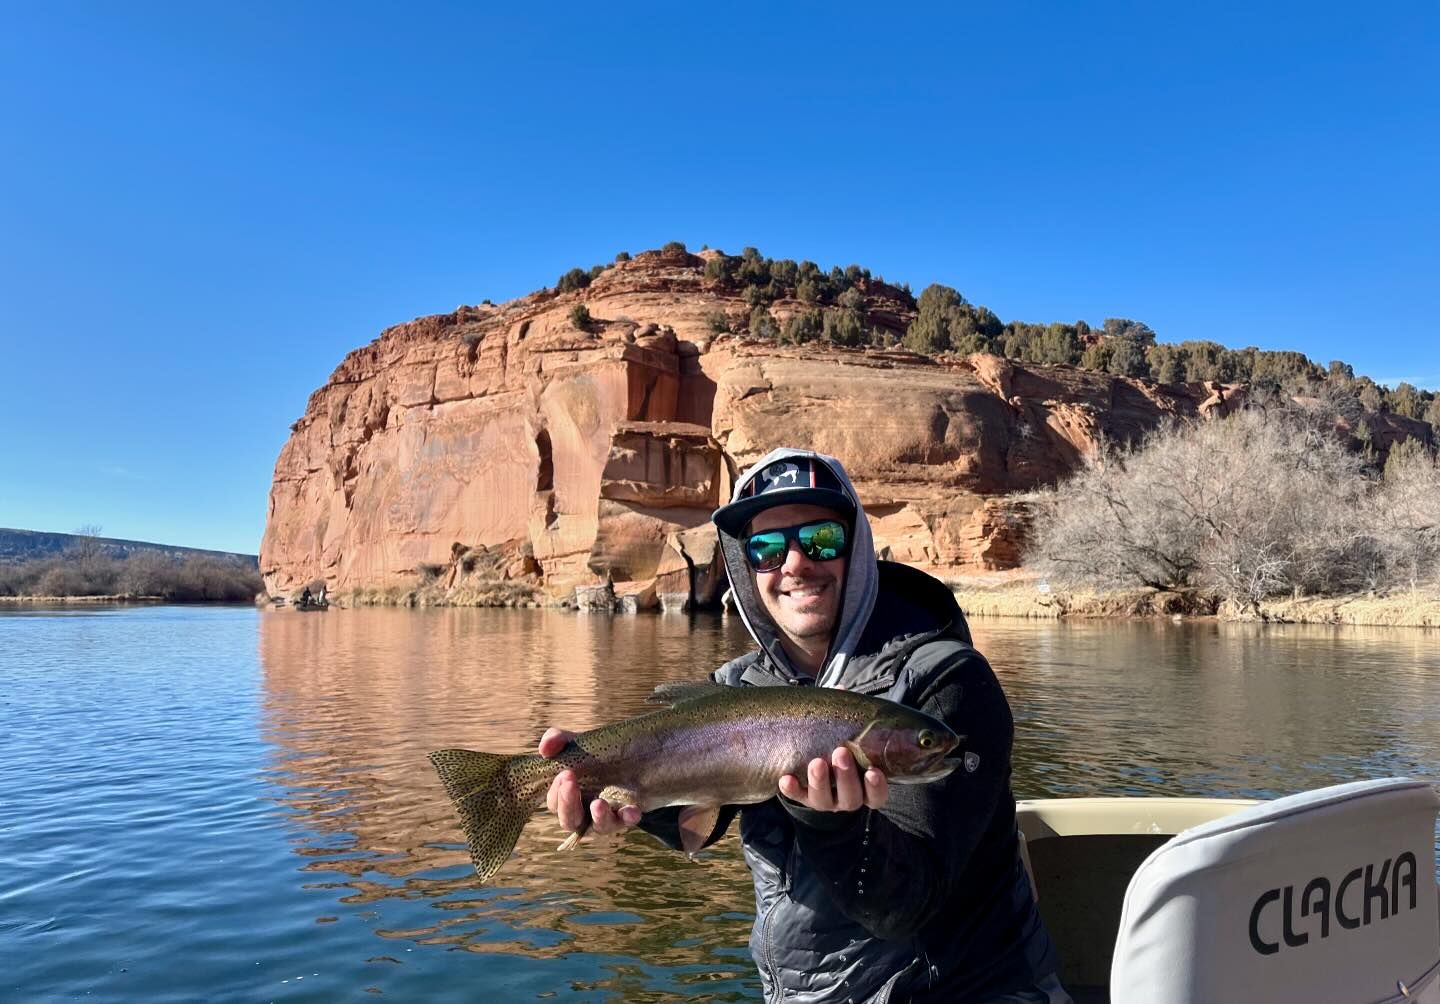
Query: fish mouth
932, 769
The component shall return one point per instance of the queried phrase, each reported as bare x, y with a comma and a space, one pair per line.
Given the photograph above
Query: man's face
802, 596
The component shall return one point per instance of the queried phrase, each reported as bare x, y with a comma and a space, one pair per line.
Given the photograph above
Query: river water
231, 804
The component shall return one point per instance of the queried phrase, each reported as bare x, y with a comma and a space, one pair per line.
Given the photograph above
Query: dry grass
499, 593
1026, 601
1026, 597
1420, 608
393, 596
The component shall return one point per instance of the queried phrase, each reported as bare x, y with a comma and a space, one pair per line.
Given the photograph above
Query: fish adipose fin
684, 690
492, 814
697, 822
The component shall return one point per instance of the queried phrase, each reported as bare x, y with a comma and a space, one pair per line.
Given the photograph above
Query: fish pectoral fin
697, 822
572, 840
680, 691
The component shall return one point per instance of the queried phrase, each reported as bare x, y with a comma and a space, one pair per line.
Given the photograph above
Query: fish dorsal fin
681, 691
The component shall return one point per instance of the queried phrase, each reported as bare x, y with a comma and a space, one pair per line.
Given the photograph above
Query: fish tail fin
492, 812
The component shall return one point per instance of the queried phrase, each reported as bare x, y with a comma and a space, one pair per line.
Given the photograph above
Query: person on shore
863, 892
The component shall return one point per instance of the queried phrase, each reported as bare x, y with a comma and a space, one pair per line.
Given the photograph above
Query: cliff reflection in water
354, 700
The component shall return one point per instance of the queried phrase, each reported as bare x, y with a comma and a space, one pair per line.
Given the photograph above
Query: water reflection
206, 803
353, 701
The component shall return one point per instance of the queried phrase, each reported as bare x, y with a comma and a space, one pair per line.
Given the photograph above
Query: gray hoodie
861, 578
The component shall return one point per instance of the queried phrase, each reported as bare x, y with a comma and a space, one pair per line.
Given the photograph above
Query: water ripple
230, 804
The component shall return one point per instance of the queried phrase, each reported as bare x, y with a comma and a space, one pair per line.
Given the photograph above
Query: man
863, 892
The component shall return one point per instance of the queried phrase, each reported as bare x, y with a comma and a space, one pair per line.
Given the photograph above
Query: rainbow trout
714, 746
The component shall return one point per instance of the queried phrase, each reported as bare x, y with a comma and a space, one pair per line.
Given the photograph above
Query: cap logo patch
778, 475
972, 762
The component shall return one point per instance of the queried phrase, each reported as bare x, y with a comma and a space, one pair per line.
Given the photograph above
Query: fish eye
926, 739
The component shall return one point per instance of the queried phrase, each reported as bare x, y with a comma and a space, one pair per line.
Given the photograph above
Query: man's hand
836, 786
566, 802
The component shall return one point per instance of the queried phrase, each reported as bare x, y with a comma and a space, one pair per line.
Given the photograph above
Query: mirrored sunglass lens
822, 541
766, 550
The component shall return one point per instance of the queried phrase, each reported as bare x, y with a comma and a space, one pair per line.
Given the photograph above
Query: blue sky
204, 207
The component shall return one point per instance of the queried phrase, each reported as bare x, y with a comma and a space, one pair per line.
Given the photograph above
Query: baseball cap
794, 480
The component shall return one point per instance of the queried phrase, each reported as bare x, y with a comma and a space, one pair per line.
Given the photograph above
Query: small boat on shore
306, 604
1324, 896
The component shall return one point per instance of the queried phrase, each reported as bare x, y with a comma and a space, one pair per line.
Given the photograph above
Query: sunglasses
822, 541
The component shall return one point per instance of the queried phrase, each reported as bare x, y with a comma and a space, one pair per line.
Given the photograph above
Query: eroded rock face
936, 450
661, 482
598, 454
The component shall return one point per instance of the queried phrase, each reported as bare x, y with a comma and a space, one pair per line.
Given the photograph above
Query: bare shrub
19, 579
148, 573
1101, 527
215, 580
86, 544
62, 580
1405, 514
1260, 503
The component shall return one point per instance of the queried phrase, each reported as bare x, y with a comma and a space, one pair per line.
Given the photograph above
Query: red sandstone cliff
502, 441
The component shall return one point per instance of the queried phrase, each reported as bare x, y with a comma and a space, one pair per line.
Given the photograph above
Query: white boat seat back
1328, 896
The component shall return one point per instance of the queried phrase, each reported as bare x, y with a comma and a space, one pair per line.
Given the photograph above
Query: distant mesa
569, 445
31, 545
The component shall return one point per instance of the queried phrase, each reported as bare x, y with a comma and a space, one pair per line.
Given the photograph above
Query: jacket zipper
765, 922
769, 957
889, 988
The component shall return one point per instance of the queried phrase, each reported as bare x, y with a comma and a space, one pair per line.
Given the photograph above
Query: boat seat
1328, 896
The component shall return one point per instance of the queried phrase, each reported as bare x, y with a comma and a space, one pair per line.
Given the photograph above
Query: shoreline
1019, 598
1004, 595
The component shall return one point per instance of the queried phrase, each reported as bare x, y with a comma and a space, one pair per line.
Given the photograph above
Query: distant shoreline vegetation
84, 573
